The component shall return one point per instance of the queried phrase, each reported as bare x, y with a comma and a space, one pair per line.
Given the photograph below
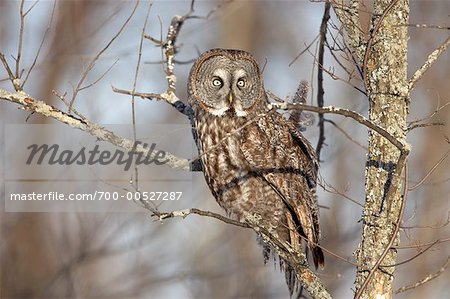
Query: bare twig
444, 240
19, 49
178, 104
426, 279
8, 70
435, 226
431, 171
42, 42
215, 9
417, 123
135, 181
313, 69
321, 91
156, 41
184, 213
141, 42
99, 78
346, 134
96, 57
426, 125
426, 26
334, 77
413, 257
304, 50
179, 62
334, 190
31, 8
144, 95
346, 50
66, 102
428, 63
351, 74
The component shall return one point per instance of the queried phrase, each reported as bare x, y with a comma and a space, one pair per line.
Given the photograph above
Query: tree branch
42, 41
321, 91
431, 171
344, 112
428, 63
297, 260
9, 71
426, 279
184, 213
19, 49
178, 104
28, 103
91, 65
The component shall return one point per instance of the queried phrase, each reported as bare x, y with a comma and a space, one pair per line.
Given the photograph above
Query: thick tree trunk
385, 66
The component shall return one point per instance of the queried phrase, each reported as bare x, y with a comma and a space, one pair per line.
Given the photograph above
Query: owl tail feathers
318, 258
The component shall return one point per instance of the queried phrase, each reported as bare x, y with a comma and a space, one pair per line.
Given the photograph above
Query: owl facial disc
226, 83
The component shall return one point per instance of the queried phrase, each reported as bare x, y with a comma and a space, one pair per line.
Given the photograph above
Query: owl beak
230, 98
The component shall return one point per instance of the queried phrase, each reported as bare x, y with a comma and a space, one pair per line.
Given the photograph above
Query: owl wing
278, 153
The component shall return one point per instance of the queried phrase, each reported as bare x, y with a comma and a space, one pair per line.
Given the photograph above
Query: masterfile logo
57, 168
53, 154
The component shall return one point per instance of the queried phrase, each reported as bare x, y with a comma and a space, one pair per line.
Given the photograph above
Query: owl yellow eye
240, 83
217, 82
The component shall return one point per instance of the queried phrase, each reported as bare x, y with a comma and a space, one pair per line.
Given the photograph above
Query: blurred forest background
128, 255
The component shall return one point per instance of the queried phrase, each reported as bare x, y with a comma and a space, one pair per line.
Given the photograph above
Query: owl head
224, 82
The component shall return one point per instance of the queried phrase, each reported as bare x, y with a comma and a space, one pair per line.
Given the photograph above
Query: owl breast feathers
255, 161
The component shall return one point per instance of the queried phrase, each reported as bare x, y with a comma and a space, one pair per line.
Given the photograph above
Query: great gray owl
255, 161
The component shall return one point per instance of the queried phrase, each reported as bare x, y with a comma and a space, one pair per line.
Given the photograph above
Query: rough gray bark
384, 66
382, 59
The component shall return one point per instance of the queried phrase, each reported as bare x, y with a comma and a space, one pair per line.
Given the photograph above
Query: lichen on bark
387, 88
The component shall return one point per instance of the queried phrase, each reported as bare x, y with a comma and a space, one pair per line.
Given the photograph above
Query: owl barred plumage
254, 160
